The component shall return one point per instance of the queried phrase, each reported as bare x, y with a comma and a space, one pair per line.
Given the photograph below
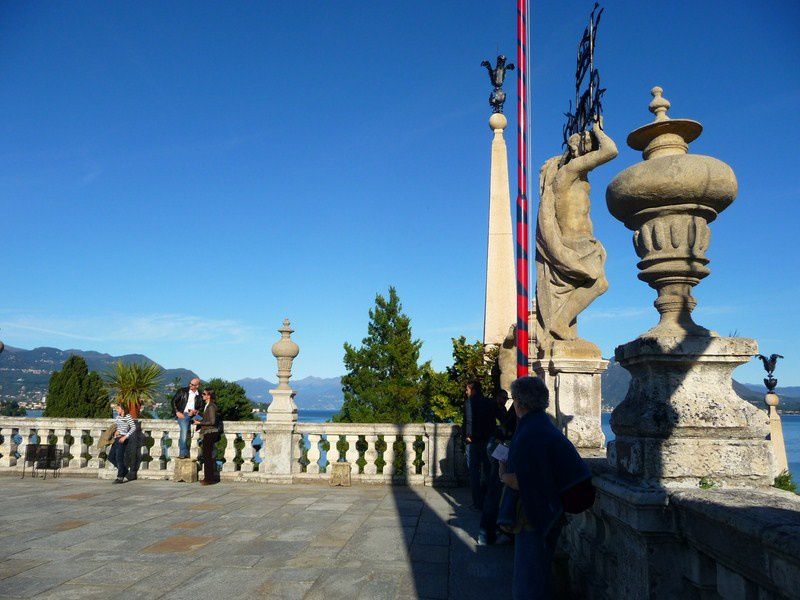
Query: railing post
351, 454
313, 453
230, 453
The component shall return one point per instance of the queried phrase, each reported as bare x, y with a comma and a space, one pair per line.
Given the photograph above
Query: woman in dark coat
208, 429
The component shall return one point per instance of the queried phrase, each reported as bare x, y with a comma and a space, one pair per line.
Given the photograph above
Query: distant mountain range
24, 375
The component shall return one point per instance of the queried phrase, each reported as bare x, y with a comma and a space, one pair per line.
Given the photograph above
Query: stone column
681, 422
500, 311
282, 413
776, 433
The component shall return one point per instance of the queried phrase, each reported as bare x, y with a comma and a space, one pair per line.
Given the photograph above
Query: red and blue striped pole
522, 189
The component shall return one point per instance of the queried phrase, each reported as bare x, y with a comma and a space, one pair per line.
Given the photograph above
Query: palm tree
133, 385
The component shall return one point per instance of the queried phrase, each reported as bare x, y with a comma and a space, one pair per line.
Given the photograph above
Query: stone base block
575, 396
340, 474
185, 470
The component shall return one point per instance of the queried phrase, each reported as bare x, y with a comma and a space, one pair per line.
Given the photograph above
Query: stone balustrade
418, 454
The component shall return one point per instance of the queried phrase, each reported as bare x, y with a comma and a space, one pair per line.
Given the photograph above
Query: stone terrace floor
87, 538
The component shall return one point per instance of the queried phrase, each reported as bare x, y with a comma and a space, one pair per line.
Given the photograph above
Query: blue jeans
533, 564
479, 467
117, 458
183, 441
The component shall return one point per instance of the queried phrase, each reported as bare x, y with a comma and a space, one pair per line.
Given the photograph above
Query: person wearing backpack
551, 478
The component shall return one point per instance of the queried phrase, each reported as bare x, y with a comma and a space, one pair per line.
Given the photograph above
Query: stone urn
668, 200
285, 350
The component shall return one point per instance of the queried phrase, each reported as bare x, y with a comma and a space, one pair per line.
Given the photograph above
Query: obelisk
500, 311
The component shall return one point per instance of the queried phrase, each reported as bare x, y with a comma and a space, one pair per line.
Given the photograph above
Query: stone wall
639, 542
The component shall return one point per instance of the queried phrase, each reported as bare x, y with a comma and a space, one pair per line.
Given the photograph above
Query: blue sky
177, 177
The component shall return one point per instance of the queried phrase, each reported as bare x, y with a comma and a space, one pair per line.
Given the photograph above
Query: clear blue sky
177, 177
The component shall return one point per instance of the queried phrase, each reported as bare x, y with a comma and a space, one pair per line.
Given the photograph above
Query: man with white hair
551, 477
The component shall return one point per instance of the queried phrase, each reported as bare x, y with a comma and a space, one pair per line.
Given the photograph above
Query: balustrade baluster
351, 454
410, 454
248, 452
313, 453
7, 448
82, 447
389, 454
26, 434
297, 465
230, 453
371, 455
157, 451
61, 444
144, 464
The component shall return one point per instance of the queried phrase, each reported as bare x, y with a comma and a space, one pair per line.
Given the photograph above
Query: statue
507, 360
497, 76
570, 262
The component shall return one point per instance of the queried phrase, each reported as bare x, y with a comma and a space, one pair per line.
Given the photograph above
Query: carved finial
659, 105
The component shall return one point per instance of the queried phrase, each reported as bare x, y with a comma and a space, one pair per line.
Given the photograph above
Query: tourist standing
480, 416
502, 436
550, 476
185, 405
209, 430
125, 428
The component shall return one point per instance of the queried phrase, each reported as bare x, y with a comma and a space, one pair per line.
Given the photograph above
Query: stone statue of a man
570, 262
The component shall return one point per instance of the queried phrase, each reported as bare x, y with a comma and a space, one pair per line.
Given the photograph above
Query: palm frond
133, 384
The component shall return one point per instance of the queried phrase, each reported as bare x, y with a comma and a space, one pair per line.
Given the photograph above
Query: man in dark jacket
186, 403
480, 415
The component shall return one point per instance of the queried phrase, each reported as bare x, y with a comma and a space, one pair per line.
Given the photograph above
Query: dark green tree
383, 383
75, 392
164, 410
11, 408
232, 401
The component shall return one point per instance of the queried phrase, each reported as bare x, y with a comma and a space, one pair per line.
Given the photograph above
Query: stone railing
637, 542
419, 454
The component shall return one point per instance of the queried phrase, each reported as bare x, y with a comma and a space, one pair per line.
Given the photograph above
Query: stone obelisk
500, 311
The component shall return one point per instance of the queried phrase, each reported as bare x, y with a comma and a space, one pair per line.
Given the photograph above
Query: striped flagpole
522, 189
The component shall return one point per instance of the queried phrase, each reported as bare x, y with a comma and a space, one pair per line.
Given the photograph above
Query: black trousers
209, 462
117, 458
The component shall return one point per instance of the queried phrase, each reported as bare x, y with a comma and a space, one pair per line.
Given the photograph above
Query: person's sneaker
483, 539
119, 480
130, 477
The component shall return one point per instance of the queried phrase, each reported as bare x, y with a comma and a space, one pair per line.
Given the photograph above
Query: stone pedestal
185, 470
572, 373
279, 452
340, 474
282, 409
681, 422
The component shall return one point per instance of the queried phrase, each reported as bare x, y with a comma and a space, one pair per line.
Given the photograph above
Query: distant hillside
24, 374
615, 382
313, 393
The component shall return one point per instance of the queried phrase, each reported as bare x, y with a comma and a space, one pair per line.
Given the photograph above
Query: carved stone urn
285, 350
681, 422
668, 200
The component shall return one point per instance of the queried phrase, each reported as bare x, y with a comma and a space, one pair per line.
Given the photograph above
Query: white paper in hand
500, 453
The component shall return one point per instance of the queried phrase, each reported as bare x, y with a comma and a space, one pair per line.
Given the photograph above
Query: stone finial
668, 200
659, 105
285, 350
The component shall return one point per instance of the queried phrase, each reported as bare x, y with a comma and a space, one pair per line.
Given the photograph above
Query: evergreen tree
75, 392
232, 401
383, 383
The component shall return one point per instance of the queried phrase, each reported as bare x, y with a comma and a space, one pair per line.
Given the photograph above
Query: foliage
445, 391
164, 410
784, 482
383, 383
706, 483
75, 392
232, 401
133, 385
11, 408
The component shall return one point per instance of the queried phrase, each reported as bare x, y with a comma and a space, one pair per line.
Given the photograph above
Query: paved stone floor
86, 538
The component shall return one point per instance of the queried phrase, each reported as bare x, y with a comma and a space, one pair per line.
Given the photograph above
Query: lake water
791, 431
